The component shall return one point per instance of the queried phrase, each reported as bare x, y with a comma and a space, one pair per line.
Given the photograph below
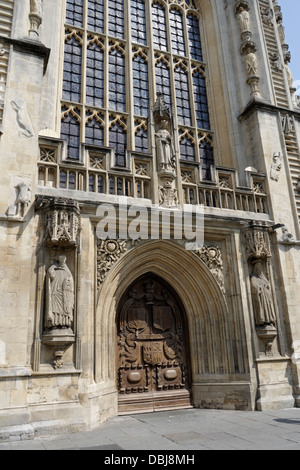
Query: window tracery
118, 56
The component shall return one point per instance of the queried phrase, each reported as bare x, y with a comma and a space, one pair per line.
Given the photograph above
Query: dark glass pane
116, 18
159, 27
93, 132
200, 98
72, 70
141, 140
100, 184
63, 180
206, 159
96, 15
95, 75
118, 140
91, 183
138, 22
74, 12
177, 34
72, 181
117, 88
182, 97
163, 84
140, 86
70, 131
194, 37
187, 150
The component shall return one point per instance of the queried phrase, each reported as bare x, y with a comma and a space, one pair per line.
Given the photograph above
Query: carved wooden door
152, 353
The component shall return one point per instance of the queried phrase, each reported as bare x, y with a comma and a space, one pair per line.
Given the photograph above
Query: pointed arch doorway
153, 363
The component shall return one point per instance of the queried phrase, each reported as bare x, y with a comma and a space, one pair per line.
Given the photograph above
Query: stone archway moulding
206, 309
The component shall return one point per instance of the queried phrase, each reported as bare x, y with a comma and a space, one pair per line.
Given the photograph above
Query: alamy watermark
138, 221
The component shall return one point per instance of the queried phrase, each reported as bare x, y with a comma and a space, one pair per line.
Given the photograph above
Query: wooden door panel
152, 355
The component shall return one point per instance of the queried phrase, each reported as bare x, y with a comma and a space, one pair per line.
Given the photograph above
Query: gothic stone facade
92, 327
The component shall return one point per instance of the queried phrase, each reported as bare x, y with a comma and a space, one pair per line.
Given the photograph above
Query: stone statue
165, 147
243, 19
262, 297
251, 63
35, 17
59, 295
36, 7
23, 118
276, 166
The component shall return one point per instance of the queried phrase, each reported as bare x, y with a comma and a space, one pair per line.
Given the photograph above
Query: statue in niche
262, 297
59, 295
36, 7
289, 74
281, 29
23, 118
165, 147
35, 17
163, 135
276, 166
287, 124
251, 62
243, 18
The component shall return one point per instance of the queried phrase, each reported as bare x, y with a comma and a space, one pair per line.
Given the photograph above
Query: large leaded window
118, 55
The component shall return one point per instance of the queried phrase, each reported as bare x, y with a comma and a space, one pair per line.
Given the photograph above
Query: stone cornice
264, 106
29, 46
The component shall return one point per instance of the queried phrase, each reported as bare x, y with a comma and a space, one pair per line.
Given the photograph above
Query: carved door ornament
152, 355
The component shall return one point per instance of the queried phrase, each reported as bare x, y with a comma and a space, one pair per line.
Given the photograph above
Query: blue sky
291, 21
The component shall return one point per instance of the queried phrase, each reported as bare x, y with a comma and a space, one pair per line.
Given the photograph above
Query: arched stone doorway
218, 357
153, 364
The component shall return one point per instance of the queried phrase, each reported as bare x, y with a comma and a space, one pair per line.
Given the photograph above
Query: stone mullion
106, 77
83, 71
129, 79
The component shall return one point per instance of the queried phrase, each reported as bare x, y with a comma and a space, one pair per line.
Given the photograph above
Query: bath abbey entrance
152, 369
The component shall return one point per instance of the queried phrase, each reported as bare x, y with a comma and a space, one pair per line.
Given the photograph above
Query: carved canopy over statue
59, 295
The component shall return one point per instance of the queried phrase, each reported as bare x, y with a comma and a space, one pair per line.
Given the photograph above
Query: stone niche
60, 226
